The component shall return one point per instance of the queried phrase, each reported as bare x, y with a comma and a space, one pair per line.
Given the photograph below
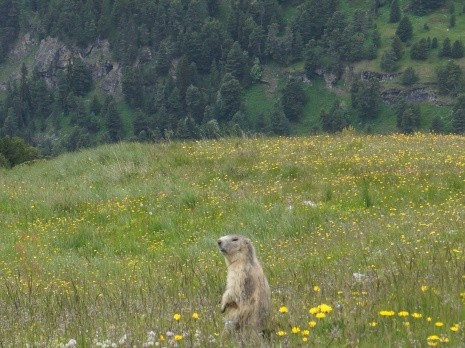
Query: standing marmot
247, 298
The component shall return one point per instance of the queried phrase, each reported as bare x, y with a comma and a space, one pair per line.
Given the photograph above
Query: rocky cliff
50, 55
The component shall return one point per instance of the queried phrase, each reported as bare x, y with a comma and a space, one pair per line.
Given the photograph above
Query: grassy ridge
107, 245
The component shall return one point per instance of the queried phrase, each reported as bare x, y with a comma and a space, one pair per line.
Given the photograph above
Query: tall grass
360, 236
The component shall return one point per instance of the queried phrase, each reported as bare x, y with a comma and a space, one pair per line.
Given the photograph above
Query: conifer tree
394, 14
458, 115
405, 29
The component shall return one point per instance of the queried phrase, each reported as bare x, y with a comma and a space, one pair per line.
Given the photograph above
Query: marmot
247, 298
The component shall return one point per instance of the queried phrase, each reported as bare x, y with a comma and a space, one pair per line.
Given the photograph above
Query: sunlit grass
360, 237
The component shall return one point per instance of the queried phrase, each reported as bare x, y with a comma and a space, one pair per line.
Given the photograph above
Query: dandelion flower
320, 315
424, 288
281, 333
283, 309
312, 323
386, 313
314, 310
305, 332
454, 328
429, 319
295, 330
403, 314
304, 339
177, 317
438, 324
178, 337
195, 316
316, 288
417, 315
325, 308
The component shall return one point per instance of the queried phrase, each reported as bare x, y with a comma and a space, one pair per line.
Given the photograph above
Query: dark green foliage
334, 120
452, 21
458, 115
113, 121
16, 151
229, 97
437, 125
397, 47
9, 26
236, 61
312, 59
450, 79
293, 99
388, 61
365, 97
80, 78
312, 17
279, 123
419, 50
408, 116
421, 7
434, 43
376, 38
446, 50
405, 29
394, 13
409, 77
457, 50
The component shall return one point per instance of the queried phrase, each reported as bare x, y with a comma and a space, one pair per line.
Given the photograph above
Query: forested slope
77, 73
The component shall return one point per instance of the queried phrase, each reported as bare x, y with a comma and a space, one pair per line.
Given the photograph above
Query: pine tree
405, 29
388, 61
279, 122
446, 50
335, 120
293, 99
397, 47
394, 14
457, 50
235, 61
229, 97
450, 79
458, 115
409, 77
113, 121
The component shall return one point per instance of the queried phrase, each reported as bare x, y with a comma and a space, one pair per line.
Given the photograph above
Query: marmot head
235, 247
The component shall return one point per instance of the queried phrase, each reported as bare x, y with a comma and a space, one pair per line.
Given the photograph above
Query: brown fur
247, 298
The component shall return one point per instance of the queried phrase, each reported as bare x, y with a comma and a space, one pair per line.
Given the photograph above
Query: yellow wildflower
403, 314
316, 288
305, 332
178, 337
177, 317
386, 313
454, 328
312, 323
424, 288
373, 324
325, 308
195, 316
439, 324
281, 333
314, 310
320, 315
417, 315
283, 309
295, 330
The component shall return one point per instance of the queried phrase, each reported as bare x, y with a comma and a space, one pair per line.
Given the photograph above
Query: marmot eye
235, 239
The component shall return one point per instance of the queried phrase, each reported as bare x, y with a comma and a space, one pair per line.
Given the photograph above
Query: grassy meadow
361, 238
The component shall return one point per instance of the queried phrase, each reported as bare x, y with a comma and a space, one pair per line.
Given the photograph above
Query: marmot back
247, 298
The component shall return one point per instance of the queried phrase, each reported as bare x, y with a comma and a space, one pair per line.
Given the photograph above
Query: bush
16, 151
409, 77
